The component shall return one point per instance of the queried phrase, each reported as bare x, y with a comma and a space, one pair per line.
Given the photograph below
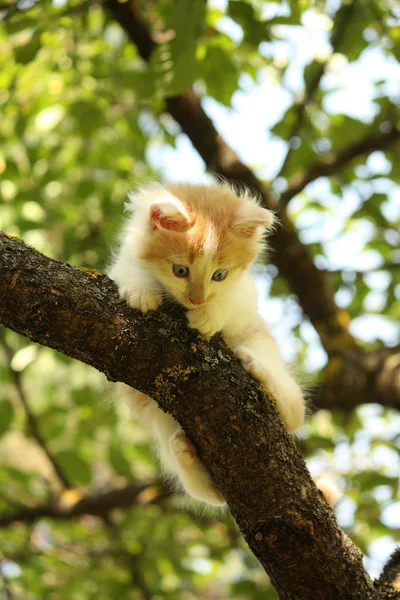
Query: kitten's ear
251, 217
170, 215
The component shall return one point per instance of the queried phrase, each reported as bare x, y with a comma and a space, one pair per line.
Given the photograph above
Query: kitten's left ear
247, 221
169, 214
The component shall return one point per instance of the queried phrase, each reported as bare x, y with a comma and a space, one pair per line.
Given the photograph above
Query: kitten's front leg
208, 320
137, 286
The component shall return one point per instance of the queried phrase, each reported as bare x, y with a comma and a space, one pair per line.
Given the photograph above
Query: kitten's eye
220, 274
180, 270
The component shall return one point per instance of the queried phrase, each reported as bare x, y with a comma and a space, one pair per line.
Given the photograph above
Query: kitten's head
198, 240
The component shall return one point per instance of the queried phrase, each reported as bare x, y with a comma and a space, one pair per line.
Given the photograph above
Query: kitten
196, 244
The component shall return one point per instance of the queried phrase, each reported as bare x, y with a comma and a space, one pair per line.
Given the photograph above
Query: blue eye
180, 270
220, 274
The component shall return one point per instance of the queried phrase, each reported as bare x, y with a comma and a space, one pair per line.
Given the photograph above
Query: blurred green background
82, 122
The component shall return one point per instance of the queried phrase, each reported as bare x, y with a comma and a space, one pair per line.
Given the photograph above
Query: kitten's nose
196, 302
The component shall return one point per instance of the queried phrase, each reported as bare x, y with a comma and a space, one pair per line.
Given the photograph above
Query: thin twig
332, 162
7, 593
98, 505
386, 266
31, 419
339, 29
130, 559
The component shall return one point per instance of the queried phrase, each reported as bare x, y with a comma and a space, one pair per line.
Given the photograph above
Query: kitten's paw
251, 364
203, 322
287, 393
291, 405
142, 299
182, 448
193, 474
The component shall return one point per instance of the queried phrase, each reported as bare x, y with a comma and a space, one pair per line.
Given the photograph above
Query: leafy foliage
82, 123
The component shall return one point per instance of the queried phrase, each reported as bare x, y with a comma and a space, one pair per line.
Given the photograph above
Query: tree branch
98, 505
31, 419
352, 379
341, 21
389, 581
333, 162
233, 425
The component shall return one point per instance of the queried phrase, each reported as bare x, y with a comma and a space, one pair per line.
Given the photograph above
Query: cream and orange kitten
196, 244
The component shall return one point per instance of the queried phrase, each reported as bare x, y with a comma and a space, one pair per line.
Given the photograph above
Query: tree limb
98, 505
352, 379
332, 162
232, 423
31, 419
341, 21
389, 580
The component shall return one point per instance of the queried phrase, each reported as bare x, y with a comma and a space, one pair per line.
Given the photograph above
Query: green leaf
89, 117
255, 31
119, 461
6, 415
19, 23
76, 469
53, 421
285, 125
355, 17
27, 52
173, 65
311, 74
144, 452
220, 74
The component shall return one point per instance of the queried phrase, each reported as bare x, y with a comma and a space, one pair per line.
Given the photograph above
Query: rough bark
231, 421
389, 581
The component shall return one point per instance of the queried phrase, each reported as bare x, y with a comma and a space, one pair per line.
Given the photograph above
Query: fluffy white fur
205, 229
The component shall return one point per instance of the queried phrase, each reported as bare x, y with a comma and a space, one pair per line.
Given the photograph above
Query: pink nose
196, 302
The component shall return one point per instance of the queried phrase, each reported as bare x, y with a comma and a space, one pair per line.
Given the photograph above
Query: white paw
210, 495
141, 298
251, 364
193, 474
203, 322
287, 393
182, 448
291, 405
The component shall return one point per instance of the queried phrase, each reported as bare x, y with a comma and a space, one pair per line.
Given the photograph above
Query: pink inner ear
251, 218
171, 222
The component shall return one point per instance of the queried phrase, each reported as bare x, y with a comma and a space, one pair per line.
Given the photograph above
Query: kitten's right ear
170, 215
250, 218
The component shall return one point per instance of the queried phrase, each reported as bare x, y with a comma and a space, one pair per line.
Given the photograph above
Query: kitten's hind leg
286, 391
193, 474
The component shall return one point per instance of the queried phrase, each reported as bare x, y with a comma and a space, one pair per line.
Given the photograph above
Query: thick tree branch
389, 581
292, 258
352, 379
233, 425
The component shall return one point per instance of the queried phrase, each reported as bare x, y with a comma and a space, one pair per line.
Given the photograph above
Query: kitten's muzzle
196, 301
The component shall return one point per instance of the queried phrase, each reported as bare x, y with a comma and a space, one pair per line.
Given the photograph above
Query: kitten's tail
329, 489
